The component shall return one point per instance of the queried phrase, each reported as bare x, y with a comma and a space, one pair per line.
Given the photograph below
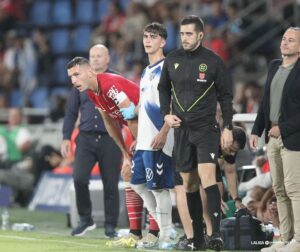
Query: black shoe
110, 232
185, 244
215, 242
83, 227
182, 243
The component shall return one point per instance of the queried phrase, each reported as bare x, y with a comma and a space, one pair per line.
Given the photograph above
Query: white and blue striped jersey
150, 119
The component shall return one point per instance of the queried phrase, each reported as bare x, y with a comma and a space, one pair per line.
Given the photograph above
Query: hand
239, 205
224, 207
253, 141
132, 146
159, 141
126, 170
226, 138
173, 121
274, 132
129, 112
65, 148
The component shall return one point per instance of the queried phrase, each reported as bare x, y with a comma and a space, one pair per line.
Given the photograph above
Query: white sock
164, 213
148, 198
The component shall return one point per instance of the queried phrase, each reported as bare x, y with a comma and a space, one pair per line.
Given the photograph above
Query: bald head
99, 58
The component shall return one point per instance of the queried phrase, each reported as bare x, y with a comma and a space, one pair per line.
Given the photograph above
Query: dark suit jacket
289, 121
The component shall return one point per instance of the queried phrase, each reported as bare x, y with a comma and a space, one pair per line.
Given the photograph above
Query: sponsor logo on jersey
149, 174
212, 155
176, 65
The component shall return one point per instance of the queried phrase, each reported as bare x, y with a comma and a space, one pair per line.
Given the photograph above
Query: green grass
50, 234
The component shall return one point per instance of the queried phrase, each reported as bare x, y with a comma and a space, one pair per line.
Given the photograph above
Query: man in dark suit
279, 116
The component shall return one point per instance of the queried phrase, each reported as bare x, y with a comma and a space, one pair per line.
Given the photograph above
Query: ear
163, 43
201, 35
90, 72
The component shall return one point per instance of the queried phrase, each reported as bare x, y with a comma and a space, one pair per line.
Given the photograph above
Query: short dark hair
239, 136
157, 28
193, 19
77, 61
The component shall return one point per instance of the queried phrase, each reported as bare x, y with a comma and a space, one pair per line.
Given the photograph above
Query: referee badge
201, 76
202, 67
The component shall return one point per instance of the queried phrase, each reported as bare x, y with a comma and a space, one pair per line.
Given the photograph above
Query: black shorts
193, 147
178, 179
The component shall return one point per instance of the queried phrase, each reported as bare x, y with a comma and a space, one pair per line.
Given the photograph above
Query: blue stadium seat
124, 4
58, 92
60, 76
101, 9
59, 41
15, 98
171, 42
39, 98
62, 12
84, 12
82, 38
39, 13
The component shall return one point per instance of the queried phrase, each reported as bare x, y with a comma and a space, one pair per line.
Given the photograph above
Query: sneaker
189, 245
274, 247
182, 243
149, 241
293, 246
128, 241
173, 234
110, 232
165, 245
215, 242
83, 227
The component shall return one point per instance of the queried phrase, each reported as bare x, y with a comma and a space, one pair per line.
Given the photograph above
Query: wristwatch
228, 126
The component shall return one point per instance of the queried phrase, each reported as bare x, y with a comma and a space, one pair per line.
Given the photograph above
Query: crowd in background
37, 38
33, 72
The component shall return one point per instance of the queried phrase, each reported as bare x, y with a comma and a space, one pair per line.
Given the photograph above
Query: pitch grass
50, 234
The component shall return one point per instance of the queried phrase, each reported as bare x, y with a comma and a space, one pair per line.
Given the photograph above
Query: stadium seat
101, 9
81, 39
84, 12
39, 13
171, 42
59, 41
124, 4
39, 98
60, 76
62, 12
15, 98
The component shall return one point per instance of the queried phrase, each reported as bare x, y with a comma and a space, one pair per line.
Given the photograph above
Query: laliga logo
267, 243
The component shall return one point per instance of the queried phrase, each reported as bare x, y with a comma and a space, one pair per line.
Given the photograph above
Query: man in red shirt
108, 92
111, 92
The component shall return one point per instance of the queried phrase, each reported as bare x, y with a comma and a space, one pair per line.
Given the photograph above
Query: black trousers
90, 148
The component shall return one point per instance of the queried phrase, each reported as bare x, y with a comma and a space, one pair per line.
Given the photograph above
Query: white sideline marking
56, 241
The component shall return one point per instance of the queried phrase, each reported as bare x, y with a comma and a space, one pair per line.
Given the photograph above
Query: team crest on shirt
112, 93
202, 75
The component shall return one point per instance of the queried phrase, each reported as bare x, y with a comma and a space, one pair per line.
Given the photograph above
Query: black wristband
237, 199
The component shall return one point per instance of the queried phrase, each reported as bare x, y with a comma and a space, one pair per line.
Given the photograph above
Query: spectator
17, 171
279, 117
